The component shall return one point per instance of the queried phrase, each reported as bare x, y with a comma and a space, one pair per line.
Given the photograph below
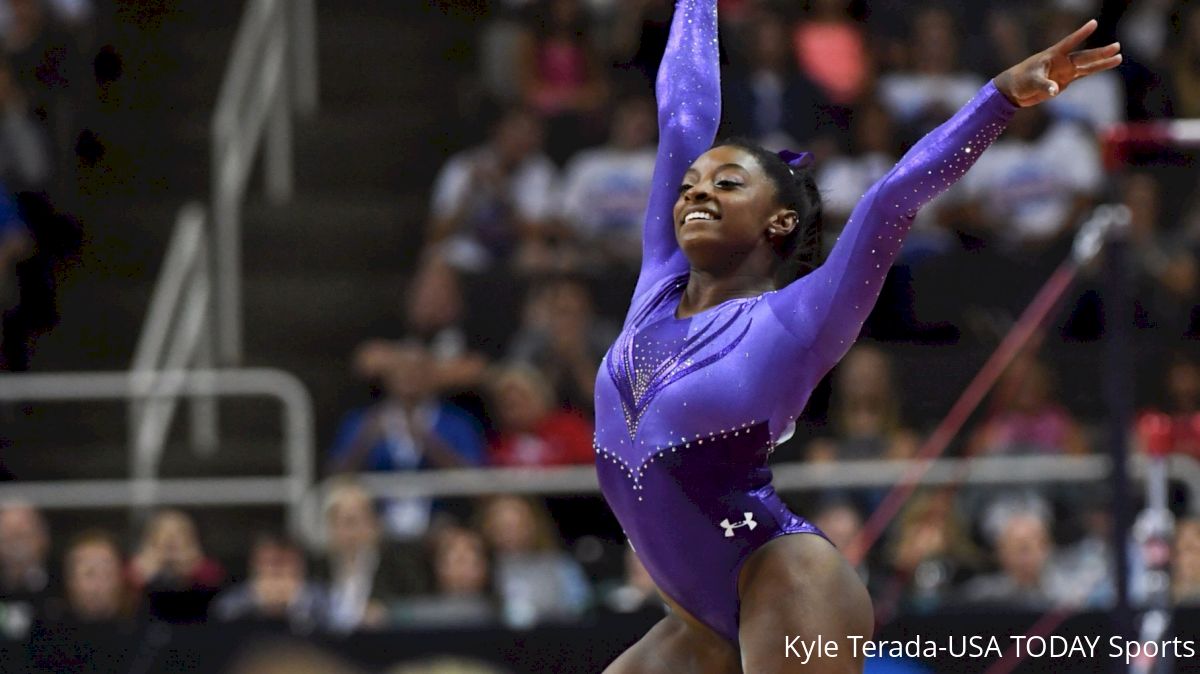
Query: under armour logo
748, 522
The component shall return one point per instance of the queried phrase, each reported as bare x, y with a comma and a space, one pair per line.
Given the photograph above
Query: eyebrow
722, 166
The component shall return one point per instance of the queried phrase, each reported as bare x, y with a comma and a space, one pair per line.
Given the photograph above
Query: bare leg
673, 646
801, 586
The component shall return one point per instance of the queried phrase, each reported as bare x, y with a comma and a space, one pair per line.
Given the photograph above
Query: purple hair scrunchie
796, 160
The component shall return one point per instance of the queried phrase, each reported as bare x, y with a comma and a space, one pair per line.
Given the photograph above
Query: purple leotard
688, 410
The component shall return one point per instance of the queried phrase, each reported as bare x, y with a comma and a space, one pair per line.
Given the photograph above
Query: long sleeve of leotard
826, 309
688, 91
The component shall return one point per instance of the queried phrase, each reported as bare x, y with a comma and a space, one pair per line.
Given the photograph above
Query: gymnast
732, 324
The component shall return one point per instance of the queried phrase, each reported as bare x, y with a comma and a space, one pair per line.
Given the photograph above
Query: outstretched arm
826, 309
689, 110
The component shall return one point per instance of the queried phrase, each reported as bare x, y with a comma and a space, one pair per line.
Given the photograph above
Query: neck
706, 290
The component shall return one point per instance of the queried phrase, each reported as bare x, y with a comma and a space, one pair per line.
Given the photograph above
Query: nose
696, 193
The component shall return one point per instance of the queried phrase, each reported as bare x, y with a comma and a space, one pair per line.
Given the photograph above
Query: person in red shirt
531, 431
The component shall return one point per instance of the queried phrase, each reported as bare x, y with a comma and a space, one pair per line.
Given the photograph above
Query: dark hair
796, 189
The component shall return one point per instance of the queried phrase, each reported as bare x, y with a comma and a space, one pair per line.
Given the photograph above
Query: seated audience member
531, 430
844, 179
831, 50
462, 593
865, 412
536, 581
24, 578
278, 589
1026, 417
172, 572
362, 575
770, 101
1030, 574
928, 556
563, 338
560, 74
933, 86
606, 189
491, 201
410, 429
1166, 274
93, 577
1185, 562
842, 522
636, 591
1096, 101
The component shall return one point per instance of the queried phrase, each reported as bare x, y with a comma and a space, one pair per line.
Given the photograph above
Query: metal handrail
176, 334
298, 438
271, 71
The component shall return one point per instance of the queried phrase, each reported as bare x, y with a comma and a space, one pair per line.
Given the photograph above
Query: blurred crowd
50, 80
529, 259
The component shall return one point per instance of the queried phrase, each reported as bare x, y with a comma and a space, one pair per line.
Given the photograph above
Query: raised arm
689, 110
826, 309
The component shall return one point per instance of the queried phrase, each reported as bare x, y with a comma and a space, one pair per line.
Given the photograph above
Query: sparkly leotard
688, 410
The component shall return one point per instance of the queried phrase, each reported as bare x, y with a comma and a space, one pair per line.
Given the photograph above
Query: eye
727, 184
684, 187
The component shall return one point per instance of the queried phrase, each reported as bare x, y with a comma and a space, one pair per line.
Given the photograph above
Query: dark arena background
303, 304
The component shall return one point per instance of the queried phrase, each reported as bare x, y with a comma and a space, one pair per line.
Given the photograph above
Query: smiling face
727, 209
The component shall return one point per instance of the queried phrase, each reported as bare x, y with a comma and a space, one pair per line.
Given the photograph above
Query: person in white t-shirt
1033, 185
606, 188
933, 86
490, 201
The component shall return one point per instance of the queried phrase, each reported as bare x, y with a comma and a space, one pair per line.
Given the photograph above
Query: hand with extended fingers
1043, 75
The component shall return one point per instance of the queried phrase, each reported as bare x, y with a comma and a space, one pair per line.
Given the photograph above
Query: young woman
731, 326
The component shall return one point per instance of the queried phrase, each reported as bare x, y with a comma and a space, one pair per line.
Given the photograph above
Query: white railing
788, 477
288, 489
176, 335
272, 72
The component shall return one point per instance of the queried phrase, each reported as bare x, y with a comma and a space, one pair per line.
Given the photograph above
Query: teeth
699, 215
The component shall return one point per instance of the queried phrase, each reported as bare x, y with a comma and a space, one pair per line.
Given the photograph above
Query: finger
1087, 56
1099, 66
1070, 42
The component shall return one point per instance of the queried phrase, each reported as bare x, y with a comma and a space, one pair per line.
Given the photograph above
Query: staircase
321, 273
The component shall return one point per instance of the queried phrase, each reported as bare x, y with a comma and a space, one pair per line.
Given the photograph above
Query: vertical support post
303, 42
278, 160
203, 422
1118, 394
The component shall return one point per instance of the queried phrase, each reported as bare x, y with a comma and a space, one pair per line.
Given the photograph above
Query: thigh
670, 647
799, 589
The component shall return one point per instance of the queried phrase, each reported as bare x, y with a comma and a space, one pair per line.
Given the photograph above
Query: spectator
24, 156
844, 179
560, 74
410, 429
606, 188
866, 412
531, 430
639, 36
636, 591
462, 594
1166, 275
24, 578
1026, 417
1030, 574
564, 340
96, 590
536, 580
172, 571
1095, 101
930, 554
771, 101
1185, 562
491, 201
1183, 60
831, 51
363, 577
1032, 186
840, 520
278, 589
933, 86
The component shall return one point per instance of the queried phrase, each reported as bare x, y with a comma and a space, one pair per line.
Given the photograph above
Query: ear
782, 223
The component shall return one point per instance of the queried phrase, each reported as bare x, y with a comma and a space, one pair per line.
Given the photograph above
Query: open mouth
699, 215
